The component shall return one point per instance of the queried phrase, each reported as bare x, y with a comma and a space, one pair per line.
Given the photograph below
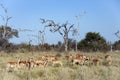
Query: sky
101, 16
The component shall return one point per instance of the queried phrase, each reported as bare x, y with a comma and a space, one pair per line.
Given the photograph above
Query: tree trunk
4, 28
66, 42
66, 47
76, 41
6, 18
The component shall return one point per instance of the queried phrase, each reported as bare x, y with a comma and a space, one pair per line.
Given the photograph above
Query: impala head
95, 61
108, 57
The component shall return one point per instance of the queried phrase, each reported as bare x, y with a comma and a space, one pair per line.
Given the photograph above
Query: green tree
6, 32
116, 45
93, 42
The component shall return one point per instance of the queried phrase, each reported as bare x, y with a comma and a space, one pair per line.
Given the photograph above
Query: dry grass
65, 72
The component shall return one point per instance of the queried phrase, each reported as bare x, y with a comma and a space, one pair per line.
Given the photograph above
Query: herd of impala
43, 61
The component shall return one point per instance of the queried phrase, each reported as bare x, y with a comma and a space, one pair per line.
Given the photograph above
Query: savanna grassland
64, 72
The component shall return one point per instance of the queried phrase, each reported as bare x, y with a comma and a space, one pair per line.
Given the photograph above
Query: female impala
78, 60
24, 64
49, 57
41, 62
56, 61
13, 65
32, 63
108, 60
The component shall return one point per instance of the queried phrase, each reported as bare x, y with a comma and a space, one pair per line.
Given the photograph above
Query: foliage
9, 32
4, 42
7, 47
116, 45
93, 42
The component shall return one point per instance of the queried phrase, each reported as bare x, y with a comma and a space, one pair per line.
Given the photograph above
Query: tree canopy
93, 42
116, 45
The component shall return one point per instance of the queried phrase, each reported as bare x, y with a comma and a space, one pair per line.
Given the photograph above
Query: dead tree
41, 34
76, 32
62, 29
40, 37
5, 18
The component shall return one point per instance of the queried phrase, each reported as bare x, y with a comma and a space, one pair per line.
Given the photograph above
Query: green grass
66, 72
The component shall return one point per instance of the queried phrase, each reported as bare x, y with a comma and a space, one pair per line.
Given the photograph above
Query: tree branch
117, 34
2, 17
9, 18
70, 27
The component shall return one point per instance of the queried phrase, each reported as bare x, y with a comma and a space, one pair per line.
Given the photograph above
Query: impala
57, 61
24, 64
78, 60
95, 61
81, 56
108, 59
41, 62
49, 58
13, 65
69, 57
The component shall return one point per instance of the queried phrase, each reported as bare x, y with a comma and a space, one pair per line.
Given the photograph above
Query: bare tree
62, 29
41, 34
76, 32
5, 18
35, 36
40, 37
